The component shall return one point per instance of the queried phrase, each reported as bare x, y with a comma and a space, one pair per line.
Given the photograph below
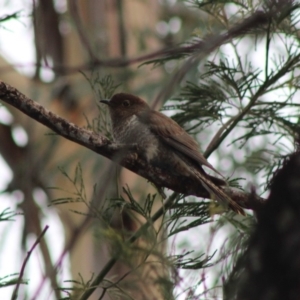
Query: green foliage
13, 16
241, 104
196, 263
9, 280
79, 195
77, 287
103, 87
8, 215
241, 97
186, 215
247, 104
183, 216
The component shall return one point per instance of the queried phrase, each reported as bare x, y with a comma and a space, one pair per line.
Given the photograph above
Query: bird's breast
132, 131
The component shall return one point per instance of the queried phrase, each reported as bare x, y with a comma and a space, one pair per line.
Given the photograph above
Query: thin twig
209, 45
200, 49
262, 89
15, 293
160, 212
76, 233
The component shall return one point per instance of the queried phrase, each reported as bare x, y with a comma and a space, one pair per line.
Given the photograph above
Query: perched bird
163, 142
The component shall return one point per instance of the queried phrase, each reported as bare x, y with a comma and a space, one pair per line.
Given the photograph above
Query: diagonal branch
38, 240
197, 50
129, 157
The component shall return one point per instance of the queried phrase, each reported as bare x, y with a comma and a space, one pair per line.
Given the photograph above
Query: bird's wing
175, 136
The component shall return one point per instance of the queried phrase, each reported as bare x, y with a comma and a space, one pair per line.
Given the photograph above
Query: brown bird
163, 142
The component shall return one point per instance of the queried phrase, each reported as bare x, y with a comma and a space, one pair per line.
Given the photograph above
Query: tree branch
129, 157
202, 48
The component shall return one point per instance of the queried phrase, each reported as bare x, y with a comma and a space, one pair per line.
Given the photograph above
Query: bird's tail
221, 196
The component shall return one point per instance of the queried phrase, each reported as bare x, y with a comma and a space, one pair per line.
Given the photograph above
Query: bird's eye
126, 103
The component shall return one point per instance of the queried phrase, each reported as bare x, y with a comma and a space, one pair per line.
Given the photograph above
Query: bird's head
123, 106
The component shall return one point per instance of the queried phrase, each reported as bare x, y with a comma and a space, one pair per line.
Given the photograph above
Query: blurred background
66, 55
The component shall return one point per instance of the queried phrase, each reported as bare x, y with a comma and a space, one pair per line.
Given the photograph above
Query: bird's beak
105, 101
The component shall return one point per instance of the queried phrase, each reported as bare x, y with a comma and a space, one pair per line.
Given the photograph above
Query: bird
164, 143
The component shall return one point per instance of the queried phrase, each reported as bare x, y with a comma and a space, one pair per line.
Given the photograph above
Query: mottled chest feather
132, 131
